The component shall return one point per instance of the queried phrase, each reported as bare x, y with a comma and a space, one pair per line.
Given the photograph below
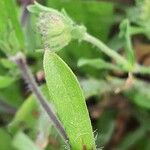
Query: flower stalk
105, 49
20, 60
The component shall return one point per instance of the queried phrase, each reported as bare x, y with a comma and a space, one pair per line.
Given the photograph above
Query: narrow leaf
68, 99
10, 6
97, 63
125, 34
12, 38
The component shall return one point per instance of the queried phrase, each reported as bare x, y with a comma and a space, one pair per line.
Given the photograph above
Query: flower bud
55, 27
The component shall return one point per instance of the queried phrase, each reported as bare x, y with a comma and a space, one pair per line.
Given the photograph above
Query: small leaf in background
136, 94
6, 63
30, 117
10, 28
92, 87
97, 63
5, 140
140, 96
68, 100
105, 128
16, 98
10, 5
28, 114
131, 139
23, 142
5, 81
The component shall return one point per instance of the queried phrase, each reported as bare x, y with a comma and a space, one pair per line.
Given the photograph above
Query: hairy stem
28, 77
118, 58
105, 49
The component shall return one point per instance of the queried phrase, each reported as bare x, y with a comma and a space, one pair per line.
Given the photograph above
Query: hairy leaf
69, 102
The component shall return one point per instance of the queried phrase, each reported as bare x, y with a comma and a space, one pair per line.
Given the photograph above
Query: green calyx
56, 28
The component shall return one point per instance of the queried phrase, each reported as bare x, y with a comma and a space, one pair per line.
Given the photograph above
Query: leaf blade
65, 92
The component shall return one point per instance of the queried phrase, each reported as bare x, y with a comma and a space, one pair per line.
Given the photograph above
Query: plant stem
105, 49
136, 30
28, 77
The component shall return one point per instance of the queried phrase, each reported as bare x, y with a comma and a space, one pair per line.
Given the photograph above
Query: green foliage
6, 140
107, 126
131, 139
81, 11
140, 96
25, 125
93, 10
28, 114
5, 81
22, 142
125, 33
12, 39
6, 63
56, 28
97, 63
7, 95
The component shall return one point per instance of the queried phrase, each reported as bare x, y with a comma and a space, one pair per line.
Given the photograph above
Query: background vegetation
118, 104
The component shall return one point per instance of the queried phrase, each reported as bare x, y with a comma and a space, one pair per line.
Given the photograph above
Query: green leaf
38, 8
94, 87
26, 116
12, 99
97, 63
69, 102
6, 63
131, 139
10, 6
23, 142
140, 94
125, 31
106, 127
5, 140
5, 81
12, 38
28, 113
